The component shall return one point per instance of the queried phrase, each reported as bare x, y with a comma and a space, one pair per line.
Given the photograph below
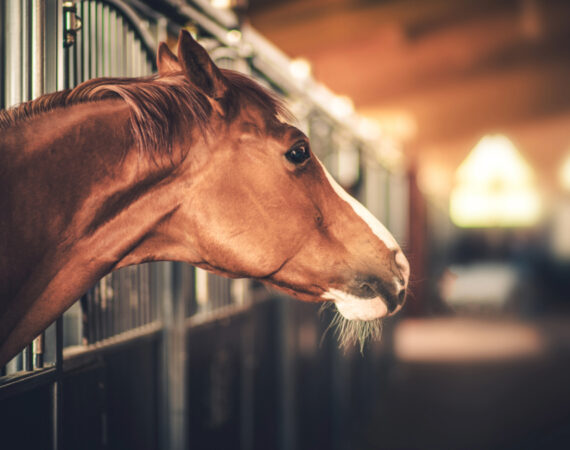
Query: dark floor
521, 404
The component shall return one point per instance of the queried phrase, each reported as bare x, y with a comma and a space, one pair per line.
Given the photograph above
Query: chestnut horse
195, 164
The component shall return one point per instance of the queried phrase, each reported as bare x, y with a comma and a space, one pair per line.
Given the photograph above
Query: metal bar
173, 370
100, 41
28, 358
92, 40
21, 383
103, 308
113, 25
59, 45
137, 54
25, 55
116, 303
129, 53
121, 33
13, 58
147, 331
106, 42
57, 404
38, 351
38, 39
133, 297
3, 70
86, 32
132, 18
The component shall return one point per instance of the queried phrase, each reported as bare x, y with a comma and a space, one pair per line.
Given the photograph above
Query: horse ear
166, 61
199, 68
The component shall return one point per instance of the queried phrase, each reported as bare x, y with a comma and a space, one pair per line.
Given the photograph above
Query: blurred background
477, 97
449, 120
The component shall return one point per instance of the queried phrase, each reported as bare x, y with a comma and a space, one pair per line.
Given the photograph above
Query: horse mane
161, 108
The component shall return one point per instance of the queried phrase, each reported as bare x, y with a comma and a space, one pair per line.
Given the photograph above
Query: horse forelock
162, 109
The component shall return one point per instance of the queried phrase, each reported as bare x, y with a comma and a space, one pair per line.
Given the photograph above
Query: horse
195, 164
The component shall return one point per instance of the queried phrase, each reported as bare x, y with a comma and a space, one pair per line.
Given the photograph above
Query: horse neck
83, 199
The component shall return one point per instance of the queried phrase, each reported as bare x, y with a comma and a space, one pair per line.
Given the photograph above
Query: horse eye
298, 154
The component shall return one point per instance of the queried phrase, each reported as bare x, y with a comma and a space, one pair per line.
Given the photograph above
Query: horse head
263, 206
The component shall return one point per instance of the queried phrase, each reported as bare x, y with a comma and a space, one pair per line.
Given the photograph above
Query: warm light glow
341, 107
222, 4
300, 68
369, 129
457, 339
564, 173
494, 187
233, 36
400, 124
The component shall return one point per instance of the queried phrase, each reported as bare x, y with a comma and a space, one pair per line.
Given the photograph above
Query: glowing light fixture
494, 187
300, 68
222, 4
341, 107
233, 36
368, 129
564, 173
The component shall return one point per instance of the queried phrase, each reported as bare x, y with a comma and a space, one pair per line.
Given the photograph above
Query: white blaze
350, 306
377, 228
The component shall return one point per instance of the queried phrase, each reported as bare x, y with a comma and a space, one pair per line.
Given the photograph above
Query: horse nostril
400, 266
402, 296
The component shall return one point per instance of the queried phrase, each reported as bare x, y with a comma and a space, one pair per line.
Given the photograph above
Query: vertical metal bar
59, 48
113, 25
138, 308
88, 322
102, 308
133, 294
38, 39
106, 42
125, 298
98, 312
116, 305
173, 370
146, 312
92, 40
145, 281
38, 351
247, 391
28, 358
117, 69
108, 299
77, 59
13, 27
25, 50
86, 32
139, 59
129, 52
3, 35
37, 83
121, 66
100, 39
56, 393
286, 371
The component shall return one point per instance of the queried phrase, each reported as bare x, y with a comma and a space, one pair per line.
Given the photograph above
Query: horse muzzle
369, 296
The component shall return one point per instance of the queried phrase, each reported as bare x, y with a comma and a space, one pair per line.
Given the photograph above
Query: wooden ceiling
452, 70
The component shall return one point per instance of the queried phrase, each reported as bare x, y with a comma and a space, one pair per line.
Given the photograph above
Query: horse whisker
352, 332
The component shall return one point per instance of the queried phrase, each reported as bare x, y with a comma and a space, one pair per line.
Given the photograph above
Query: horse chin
357, 308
